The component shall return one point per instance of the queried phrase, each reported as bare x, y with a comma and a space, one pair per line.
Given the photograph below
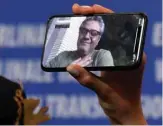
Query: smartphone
96, 42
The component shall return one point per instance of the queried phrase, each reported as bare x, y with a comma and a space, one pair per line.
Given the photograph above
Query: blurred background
22, 31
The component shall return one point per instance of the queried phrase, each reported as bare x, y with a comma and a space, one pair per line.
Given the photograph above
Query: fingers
87, 63
30, 117
83, 62
84, 77
30, 104
42, 119
41, 116
140, 70
101, 9
92, 82
82, 9
76, 61
38, 119
77, 9
43, 110
144, 61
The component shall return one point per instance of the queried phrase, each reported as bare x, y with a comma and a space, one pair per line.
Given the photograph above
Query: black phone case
110, 68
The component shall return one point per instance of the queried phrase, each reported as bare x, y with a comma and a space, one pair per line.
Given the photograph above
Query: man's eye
94, 33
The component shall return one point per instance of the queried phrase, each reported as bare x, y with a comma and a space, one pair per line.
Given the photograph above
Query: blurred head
90, 33
11, 107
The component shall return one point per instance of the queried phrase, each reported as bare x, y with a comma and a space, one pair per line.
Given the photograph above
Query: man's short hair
95, 18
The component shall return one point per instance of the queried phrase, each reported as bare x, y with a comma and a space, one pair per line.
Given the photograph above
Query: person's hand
34, 119
31, 118
119, 92
83, 61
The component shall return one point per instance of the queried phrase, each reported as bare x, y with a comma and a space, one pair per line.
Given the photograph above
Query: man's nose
87, 35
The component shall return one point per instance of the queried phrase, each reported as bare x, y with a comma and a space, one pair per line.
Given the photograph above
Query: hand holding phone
119, 92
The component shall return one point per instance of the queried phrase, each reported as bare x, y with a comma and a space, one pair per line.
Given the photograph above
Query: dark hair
7, 121
8, 105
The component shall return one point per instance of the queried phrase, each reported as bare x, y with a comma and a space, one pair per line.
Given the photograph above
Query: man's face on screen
89, 36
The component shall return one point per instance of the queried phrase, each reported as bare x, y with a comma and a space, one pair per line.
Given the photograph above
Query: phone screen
93, 41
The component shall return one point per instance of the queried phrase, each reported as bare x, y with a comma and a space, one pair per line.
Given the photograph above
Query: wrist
129, 121
133, 118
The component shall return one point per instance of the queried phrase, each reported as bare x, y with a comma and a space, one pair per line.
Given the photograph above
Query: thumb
90, 81
100, 9
83, 77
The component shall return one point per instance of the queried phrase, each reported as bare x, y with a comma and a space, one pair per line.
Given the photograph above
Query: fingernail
73, 71
76, 4
85, 6
97, 5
